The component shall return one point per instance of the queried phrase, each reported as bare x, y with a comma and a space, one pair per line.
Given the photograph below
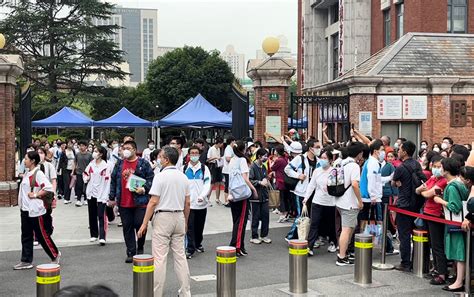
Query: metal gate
332, 110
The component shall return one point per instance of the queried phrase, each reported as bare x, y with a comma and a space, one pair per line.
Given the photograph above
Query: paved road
263, 273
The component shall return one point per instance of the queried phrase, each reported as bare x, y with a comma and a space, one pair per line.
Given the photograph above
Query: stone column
11, 66
271, 80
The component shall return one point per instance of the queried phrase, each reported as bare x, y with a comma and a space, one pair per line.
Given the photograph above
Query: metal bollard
298, 251
382, 265
48, 278
143, 269
421, 252
363, 259
226, 260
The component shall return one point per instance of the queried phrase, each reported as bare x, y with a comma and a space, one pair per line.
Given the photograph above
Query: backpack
48, 198
203, 169
417, 177
238, 188
336, 181
291, 182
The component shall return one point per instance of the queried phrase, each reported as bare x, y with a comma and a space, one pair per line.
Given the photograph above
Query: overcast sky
215, 24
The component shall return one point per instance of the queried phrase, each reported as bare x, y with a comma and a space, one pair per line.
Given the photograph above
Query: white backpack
238, 188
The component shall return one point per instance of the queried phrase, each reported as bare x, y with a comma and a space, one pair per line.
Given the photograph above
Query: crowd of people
344, 186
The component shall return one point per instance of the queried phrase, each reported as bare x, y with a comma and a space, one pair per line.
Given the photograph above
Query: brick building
420, 87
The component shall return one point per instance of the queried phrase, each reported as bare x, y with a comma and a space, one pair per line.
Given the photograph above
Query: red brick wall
433, 129
263, 105
300, 51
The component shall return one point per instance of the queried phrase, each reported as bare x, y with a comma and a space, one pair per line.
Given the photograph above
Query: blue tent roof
123, 118
197, 112
66, 117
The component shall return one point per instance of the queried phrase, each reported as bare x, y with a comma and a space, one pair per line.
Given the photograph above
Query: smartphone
438, 192
352, 125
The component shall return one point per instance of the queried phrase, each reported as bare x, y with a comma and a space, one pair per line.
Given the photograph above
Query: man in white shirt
214, 160
170, 204
146, 152
228, 154
350, 203
199, 178
177, 142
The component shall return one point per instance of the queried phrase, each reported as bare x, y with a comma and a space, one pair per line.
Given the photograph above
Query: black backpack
203, 169
417, 178
290, 182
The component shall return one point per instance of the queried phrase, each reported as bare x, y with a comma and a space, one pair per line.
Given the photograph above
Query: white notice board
365, 122
389, 107
415, 107
273, 126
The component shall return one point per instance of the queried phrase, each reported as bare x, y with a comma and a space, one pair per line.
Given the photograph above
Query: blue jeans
293, 234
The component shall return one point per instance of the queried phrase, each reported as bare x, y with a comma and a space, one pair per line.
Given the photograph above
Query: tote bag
238, 188
273, 197
303, 223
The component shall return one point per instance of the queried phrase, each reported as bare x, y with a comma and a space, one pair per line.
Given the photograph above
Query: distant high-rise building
283, 52
162, 50
235, 60
138, 38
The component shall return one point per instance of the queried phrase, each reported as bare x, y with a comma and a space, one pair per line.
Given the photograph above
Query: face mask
194, 159
174, 145
437, 172
29, 150
104, 145
151, 146
95, 155
381, 156
75, 147
264, 159
423, 146
316, 152
55, 145
158, 163
436, 149
115, 145
127, 154
323, 163
444, 146
42, 157
396, 145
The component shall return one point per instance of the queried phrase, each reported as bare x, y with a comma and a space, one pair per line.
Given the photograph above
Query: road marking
204, 278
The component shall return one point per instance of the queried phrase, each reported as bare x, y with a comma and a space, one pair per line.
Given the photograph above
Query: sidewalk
71, 225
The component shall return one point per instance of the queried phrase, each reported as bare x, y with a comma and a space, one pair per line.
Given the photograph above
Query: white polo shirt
172, 186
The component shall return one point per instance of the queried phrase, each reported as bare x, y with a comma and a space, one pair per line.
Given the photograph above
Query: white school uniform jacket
98, 179
296, 164
35, 207
199, 185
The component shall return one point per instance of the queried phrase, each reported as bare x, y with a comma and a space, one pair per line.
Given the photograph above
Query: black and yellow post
363, 259
48, 279
421, 252
226, 260
143, 269
298, 278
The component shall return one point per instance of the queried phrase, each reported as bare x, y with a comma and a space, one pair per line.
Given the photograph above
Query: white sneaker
332, 247
316, 245
85, 202
276, 211
35, 243
255, 241
266, 240
58, 258
320, 241
102, 241
281, 219
93, 239
67, 201
78, 203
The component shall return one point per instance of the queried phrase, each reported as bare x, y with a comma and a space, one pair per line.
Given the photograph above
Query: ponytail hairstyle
239, 150
103, 151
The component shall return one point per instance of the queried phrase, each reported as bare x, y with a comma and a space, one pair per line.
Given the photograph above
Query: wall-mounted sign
273, 126
365, 122
274, 96
415, 107
389, 107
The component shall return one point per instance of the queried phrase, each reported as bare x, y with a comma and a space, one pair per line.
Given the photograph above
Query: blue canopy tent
197, 112
123, 118
66, 117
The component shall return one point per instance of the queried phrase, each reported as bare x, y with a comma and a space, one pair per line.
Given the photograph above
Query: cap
296, 147
249, 144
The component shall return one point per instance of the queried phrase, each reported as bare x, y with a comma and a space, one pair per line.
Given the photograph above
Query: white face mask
104, 145
151, 146
444, 146
436, 149
95, 155
115, 145
316, 152
127, 154
158, 163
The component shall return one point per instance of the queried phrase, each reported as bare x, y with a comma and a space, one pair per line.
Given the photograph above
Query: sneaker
189, 255
23, 266
310, 253
266, 240
316, 245
343, 261
93, 239
102, 241
332, 247
437, 281
320, 241
351, 256
276, 211
200, 249
394, 252
403, 268
218, 202
58, 258
119, 224
242, 253
227, 204
255, 241
67, 201
129, 259
85, 202
281, 219
78, 203
35, 243
287, 239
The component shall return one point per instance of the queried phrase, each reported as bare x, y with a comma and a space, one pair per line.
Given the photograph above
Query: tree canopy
185, 72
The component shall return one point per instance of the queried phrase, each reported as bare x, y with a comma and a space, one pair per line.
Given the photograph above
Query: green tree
62, 46
185, 72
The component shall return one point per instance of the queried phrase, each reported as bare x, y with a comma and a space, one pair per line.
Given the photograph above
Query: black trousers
37, 226
326, 214
132, 219
97, 211
196, 222
80, 188
60, 186
436, 232
66, 180
285, 204
240, 214
405, 227
260, 212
